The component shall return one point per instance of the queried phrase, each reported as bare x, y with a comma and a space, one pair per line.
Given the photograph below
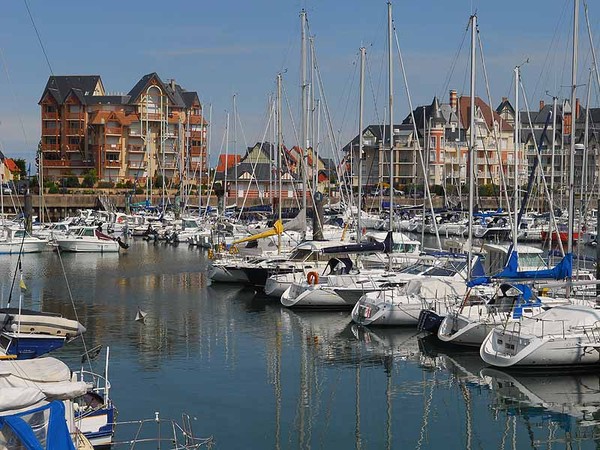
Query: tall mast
391, 115
516, 160
573, 122
279, 146
225, 191
471, 162
363, 52
235, 115
554, 108
304, 121
584, 165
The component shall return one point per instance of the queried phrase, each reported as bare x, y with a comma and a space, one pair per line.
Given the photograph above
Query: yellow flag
22, 284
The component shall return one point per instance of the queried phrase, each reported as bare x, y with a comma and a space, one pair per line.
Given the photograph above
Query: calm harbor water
255, 375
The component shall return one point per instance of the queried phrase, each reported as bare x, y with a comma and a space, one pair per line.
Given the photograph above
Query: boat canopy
385, 246
564, 269
37, 428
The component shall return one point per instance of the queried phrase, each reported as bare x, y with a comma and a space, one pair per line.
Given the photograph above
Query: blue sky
227, 47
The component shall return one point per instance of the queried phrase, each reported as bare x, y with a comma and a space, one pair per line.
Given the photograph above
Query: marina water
256, 375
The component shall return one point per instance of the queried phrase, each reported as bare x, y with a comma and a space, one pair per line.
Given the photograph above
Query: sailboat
564, 336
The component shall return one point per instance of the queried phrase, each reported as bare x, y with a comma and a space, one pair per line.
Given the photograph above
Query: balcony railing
75, 115
50, 147
47, 131
112, 163
136, 149
66, 163
136, 165
74, 148
50, 115
113, 130
74, 131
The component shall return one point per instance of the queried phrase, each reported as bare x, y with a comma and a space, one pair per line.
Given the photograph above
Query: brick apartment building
155, 129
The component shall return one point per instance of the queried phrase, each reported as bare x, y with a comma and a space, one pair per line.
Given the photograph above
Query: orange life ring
312, 278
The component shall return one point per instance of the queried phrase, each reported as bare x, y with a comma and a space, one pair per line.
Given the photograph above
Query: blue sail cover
54, 435
564, 269
385, 246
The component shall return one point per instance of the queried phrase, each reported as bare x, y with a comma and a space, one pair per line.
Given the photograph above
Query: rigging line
351, 89
14, 95
498, 152
296, 139
332, 136
255, 163
370, 79
419, 149
551, 46
62, 266
38, 36
543, 178
446, 84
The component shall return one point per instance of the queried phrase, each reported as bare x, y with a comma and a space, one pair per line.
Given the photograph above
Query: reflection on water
256, 375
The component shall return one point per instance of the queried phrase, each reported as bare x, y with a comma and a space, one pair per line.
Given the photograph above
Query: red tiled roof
232, 160
490, 115
11, 166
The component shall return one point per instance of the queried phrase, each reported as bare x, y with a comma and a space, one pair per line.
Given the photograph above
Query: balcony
112, 163
115, 131
66, 163
74, 131
136, 165
50, 115
75, 115
72, 148
135, 149
50, 147
48, 131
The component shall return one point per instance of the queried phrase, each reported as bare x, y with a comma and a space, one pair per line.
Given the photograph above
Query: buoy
312, 278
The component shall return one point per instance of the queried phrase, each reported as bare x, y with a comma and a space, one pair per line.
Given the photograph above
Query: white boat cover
50, 376
12, 399
560, 319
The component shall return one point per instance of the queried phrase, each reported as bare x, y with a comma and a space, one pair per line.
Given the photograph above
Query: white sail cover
298, 223
49, 376
13, 399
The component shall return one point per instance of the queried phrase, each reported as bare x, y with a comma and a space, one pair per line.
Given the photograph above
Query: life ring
312, 278
211, 254
233, 250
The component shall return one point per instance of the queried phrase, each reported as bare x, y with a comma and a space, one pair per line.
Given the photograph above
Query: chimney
541, 104
453, 99
173, 84
504, 99
576, 108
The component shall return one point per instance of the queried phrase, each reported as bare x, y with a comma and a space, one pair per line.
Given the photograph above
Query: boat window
19, 233
301, 255
447, 269
416, 268
87, 232
531, 260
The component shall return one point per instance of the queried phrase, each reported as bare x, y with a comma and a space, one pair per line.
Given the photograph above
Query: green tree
90, 178
22, 165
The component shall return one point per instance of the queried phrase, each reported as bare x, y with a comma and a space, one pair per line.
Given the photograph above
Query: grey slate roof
142, 84
107, 99
59, 86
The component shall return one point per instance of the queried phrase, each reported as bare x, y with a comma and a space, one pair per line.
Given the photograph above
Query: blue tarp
57, 436
564, 269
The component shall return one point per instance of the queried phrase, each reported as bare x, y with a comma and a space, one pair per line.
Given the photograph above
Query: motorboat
27, 334
88, 239
17, 240
439, 288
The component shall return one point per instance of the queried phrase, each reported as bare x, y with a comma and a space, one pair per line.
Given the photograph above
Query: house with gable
157, 128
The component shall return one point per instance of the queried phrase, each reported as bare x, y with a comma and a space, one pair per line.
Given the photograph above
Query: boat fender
233, 250
211, 254
312, 278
